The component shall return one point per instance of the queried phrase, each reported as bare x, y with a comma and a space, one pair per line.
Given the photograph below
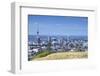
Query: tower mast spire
38, 38
37, 31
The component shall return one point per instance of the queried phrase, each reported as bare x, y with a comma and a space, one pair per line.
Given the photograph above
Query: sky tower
38, 38
37, 31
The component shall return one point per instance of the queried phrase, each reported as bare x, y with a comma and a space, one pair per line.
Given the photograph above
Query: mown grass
61, 55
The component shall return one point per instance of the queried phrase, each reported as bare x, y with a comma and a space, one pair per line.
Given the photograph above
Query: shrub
42, 54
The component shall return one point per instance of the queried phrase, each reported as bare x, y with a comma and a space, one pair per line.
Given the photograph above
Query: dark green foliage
42, 54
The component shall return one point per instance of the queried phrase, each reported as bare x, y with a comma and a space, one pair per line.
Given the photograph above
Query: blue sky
58, 25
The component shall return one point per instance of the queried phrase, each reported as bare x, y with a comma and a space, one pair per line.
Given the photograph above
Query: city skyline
57, 25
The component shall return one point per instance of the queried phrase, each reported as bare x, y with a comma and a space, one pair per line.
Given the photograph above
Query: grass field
64, 55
